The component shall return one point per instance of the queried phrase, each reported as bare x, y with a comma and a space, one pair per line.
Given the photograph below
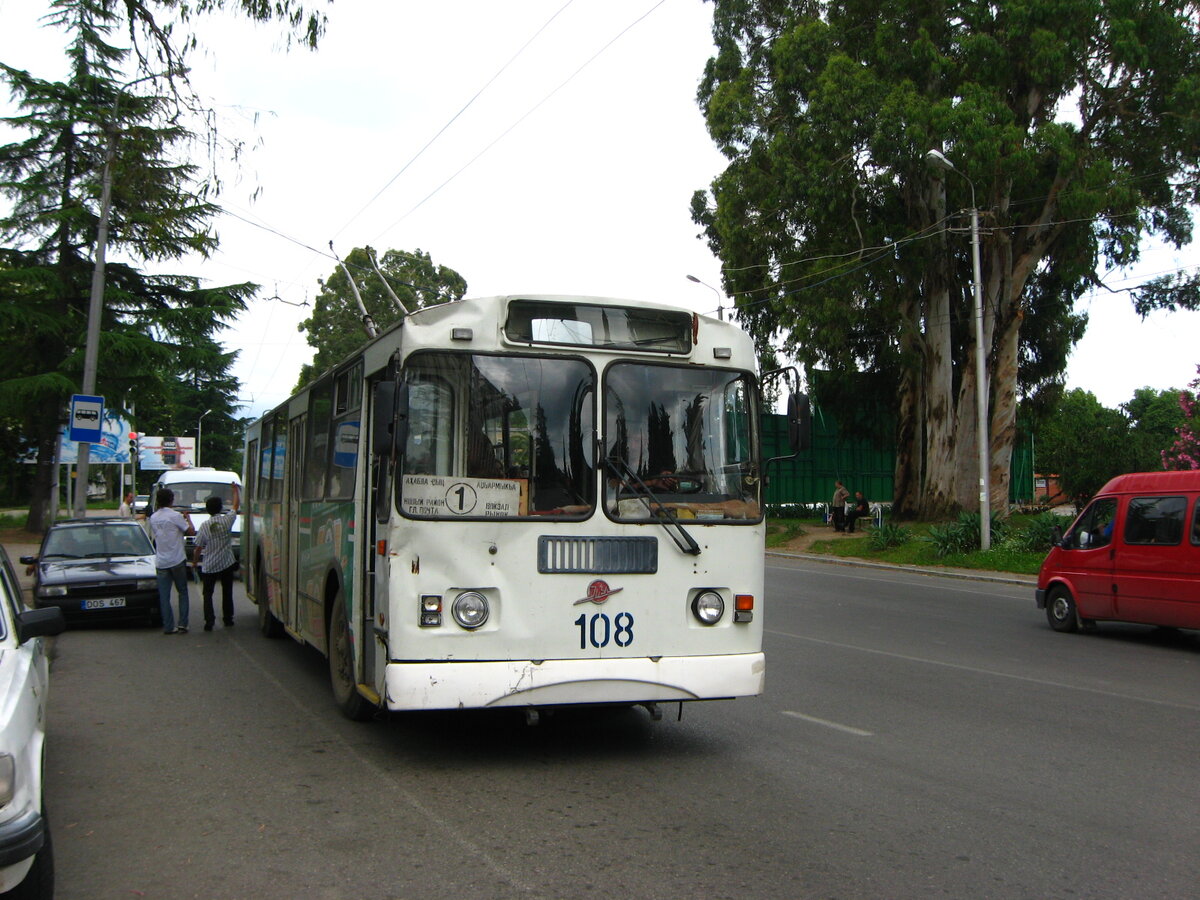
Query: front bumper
558, 682
1040, 595
21, 838
137, 603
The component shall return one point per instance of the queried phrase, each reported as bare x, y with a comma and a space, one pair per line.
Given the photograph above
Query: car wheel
39, 881
341, 665
1060, 610
267, 623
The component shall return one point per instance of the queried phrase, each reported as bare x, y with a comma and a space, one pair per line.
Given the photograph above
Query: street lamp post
720, 309
199, 432
935, 159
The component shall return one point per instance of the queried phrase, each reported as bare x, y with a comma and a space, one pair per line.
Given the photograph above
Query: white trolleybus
520, 501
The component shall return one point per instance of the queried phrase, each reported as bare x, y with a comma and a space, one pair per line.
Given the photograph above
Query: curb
965, 574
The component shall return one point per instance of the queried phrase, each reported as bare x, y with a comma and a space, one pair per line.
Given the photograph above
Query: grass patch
921, 551
783, 531
13, 521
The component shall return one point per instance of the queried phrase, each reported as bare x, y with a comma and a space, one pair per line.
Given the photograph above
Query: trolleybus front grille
597, 555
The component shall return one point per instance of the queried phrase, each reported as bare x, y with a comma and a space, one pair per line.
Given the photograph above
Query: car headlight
52, 590
147, 584
8, 778
708, 607
470, 609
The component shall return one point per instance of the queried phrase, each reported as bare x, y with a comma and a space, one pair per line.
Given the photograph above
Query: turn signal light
743, 608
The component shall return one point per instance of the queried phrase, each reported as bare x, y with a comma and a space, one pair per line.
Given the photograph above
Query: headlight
708, 607
470, 609
147, 584
52, 590
8, 778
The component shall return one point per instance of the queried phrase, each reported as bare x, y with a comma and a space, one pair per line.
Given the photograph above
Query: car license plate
104, 603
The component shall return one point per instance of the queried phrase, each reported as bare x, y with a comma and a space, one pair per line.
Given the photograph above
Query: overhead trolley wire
528, 113
454, 118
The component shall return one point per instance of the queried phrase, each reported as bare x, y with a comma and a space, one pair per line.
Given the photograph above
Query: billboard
112, 447
166, 452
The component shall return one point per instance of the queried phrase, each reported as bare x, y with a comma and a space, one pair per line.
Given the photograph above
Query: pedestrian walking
215, 559
169, 527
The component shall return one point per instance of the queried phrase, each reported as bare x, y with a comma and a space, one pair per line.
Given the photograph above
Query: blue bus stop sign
87, 419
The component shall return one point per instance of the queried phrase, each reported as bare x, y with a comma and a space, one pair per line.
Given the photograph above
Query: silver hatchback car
26, 858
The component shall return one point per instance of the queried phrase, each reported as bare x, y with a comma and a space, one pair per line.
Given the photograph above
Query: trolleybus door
377, 505
292, 521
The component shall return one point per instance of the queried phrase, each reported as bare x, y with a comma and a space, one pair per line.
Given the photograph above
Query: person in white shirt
168, 528
215, 559
125, 511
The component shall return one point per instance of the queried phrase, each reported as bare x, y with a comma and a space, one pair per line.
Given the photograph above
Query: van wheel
341, 666
267, 623
1060, 610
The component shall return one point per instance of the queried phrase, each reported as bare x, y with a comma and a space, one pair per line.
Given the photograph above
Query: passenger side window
1196, 524
1155, 520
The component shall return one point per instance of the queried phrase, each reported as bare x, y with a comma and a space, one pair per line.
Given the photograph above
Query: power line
452, 119
530, 112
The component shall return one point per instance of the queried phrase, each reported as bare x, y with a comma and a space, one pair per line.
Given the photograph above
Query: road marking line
834, 725
1119, 695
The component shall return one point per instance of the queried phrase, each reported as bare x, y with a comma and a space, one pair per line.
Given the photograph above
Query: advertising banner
166, 452
111, 447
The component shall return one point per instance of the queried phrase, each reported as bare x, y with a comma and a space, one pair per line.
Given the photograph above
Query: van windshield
191, 495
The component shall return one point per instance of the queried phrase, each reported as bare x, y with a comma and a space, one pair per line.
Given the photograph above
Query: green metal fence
859, 464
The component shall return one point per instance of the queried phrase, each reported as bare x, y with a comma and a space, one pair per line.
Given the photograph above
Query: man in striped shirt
214, 557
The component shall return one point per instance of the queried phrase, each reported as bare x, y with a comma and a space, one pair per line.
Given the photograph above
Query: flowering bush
1185, 452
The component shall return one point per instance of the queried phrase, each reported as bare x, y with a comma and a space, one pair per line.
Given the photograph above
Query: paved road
920, 736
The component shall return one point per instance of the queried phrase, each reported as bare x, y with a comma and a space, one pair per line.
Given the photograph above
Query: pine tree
154, 326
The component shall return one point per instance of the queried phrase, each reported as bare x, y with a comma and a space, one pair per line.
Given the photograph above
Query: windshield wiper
680, 536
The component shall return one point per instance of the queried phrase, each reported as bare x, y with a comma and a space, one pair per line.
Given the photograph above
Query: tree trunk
910, 421
937, 499
1003, 426
42, 504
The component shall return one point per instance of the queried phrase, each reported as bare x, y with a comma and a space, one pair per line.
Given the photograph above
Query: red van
1133, 555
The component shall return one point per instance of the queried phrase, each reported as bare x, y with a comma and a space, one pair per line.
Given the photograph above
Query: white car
26, 858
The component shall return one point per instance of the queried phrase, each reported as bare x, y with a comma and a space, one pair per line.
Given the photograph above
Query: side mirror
45, 622
799, 420
29, 560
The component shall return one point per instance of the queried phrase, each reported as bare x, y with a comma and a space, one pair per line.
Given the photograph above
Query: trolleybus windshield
498, 437
684, 436
515, 436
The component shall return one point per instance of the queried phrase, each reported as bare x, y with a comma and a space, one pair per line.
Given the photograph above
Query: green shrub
888, 535
962, 535
1037, 536
795, 510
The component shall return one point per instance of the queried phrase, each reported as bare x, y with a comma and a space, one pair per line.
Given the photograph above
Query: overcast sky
570, 171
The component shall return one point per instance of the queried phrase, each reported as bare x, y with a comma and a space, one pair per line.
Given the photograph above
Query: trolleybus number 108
599, 629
